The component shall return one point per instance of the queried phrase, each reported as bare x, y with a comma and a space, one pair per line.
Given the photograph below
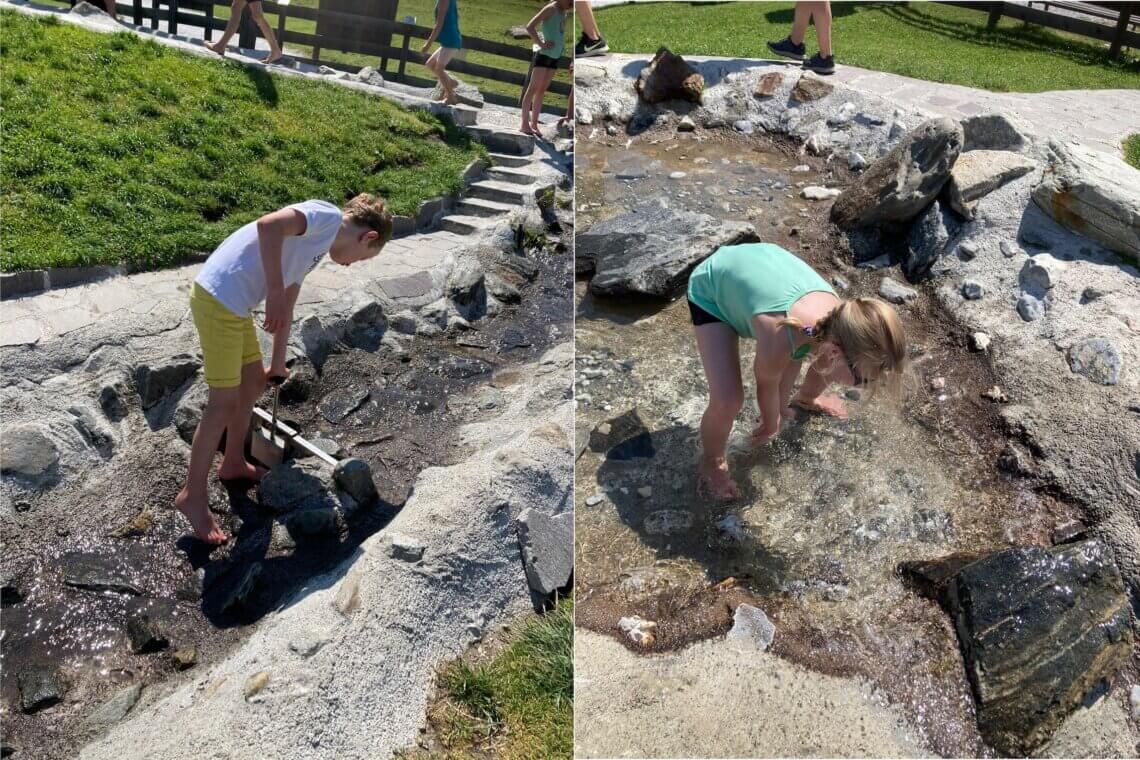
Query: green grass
1132, 150
116, 150
519, 705
485, 19
923, 40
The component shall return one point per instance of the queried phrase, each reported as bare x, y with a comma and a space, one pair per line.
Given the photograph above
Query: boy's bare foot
244, 471
714, 481
217, 47
203, 523
830, 405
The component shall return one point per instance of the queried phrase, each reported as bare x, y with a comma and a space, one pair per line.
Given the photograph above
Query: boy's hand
278, 315
274, 373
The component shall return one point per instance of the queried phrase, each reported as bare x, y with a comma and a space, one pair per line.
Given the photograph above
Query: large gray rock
652, 251
354, 477
669, 77
1097, 359
114, 709
1092, 193
468, 94
305, 484
40, 687
1039, 629
28, 452
895, 292
977, 173
901, 183
158, 380
926, 243
547, 544
991, 131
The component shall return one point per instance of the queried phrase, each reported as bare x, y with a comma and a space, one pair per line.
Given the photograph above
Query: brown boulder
809, 88
669, 77
768, 85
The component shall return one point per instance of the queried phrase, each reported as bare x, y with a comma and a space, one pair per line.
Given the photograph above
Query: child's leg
236, 9
542, 77
821, 17
193, 500
720, 354
266, 31
527, 99
234, 465
800, 21
445, 54
569, 106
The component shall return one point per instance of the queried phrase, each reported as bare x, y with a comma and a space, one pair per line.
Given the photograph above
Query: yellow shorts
229, 342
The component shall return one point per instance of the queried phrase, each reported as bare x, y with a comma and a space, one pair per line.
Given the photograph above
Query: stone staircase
511, 182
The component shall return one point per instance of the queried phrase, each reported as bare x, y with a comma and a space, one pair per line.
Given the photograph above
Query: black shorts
544, 61
700, 316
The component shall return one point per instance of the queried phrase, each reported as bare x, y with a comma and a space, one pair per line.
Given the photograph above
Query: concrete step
479, 207
502, 159
465, 225
509, 174
503, 140
502, 192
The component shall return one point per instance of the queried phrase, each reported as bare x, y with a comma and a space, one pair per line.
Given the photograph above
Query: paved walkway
402, 270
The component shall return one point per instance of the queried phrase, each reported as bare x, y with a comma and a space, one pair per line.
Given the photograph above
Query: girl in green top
550, 46
446, 30
761, 291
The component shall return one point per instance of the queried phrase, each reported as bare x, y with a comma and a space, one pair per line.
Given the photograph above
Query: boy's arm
281, 337
272, 229
532, 27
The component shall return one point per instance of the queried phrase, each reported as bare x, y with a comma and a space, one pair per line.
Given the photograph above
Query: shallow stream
97, 551
831, 507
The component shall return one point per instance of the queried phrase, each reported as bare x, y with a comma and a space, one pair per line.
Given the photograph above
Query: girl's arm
281, 337
768, 399
272, 229
440, 15
813, 385
532, 27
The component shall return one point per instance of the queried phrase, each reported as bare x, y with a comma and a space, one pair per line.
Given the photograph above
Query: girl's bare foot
274, 58
526, 130
830, 405
203, 523
217, 47
788, 413
713, 481
244, 471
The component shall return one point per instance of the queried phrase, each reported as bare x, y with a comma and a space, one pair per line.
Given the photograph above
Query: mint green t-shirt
553, 30
740, 281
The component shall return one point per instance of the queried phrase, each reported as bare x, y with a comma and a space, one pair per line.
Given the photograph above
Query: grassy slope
118, 150
923, 40
1132, 150
520, 704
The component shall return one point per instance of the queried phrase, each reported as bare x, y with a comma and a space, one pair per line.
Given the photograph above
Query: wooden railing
1118, 36
200, 13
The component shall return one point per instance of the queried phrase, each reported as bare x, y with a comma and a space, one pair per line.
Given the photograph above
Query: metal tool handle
276, 380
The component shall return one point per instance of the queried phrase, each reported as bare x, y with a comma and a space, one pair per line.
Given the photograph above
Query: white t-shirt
233, 274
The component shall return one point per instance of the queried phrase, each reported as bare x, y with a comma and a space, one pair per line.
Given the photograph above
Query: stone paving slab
38, 318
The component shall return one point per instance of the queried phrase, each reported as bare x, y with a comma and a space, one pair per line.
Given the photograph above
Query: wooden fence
200, 13
1118, 36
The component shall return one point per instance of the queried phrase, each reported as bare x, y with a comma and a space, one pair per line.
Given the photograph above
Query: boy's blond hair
869, 333
371, 211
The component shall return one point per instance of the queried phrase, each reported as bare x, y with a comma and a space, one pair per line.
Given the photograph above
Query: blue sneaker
788, 49
821, 65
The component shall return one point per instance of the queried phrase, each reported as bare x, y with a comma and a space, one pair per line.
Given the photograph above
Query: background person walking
792, 46
236, 9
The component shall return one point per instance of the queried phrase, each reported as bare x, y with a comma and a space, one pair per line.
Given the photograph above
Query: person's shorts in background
229, 342
544, 62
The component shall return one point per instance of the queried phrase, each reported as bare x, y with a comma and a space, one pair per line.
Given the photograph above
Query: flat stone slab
979, 172
413, 286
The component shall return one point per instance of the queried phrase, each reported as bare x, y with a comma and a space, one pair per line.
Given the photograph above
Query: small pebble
677, 175
980, 341
593, 501
645, 492
938, 383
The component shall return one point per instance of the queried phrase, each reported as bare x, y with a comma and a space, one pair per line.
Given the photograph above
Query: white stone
751, 625
640, 632
817, 193
645, 492
980, 341
593, 501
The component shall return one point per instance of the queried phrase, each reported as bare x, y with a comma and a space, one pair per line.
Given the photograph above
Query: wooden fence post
995, 15
172, 23
138, 13
1121, 25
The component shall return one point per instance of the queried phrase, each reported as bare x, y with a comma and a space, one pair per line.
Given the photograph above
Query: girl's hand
425, 48
830, 405
546, 44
